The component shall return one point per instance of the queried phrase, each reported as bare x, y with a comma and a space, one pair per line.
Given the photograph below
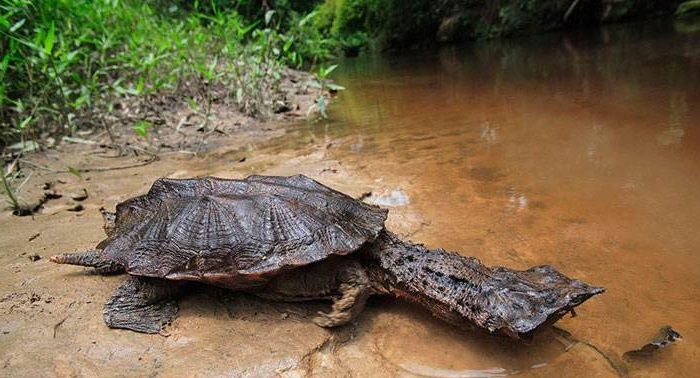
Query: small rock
51, 194
77, 208
34, 257
80, 195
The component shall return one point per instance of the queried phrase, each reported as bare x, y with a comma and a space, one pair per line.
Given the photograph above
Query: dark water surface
580, 150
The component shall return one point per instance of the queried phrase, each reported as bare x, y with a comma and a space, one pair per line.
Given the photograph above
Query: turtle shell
237, 233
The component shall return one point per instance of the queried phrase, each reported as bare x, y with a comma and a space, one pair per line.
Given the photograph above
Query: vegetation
70, 64
396, 23
688, 8
66, 63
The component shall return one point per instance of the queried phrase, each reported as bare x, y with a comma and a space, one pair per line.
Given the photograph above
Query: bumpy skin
142, 304
464, 292
340, 278
291, 238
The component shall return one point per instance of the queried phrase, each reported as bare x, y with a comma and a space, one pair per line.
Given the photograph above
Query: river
577, 149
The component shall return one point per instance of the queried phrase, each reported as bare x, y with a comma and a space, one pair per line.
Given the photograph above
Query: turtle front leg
344, 281
354, 290
143, 304
91, 259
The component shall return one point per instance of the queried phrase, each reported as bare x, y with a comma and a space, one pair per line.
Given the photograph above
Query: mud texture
52, 315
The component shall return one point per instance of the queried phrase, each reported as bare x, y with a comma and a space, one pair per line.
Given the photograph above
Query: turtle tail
90, 258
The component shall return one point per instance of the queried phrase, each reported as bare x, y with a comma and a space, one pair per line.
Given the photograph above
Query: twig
136, 150
57, 325
42, 167
150, 160
19, 188
108, 128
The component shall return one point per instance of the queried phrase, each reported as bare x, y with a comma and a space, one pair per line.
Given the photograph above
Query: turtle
294, 239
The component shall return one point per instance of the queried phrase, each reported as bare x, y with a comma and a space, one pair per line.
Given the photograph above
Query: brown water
580, 150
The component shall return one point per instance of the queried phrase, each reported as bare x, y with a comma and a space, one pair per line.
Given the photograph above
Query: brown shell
237, 232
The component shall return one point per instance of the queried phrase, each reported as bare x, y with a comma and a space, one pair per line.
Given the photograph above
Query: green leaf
307, 18
3, 66
25, 122
193, 104
288, 44
335, 87
141, 129
268, 16
328, 70
50, 39
139, 85
17, 25
242, 31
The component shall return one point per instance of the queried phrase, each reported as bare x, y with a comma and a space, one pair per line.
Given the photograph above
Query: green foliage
65, 63
352, 24
324, 85
9, 192
141, 129
688, 8
358, 23
309, 44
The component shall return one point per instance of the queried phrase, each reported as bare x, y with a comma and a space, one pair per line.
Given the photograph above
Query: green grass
65, 63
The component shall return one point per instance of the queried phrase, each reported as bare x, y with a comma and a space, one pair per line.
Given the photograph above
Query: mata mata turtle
292, 238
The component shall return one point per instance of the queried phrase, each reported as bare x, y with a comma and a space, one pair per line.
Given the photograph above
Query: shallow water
580, 150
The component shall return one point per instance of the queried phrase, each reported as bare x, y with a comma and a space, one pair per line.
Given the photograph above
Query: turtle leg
90, 258
344, 281
354, 293
142, 304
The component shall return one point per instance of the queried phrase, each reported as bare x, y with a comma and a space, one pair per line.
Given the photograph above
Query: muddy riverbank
52, 321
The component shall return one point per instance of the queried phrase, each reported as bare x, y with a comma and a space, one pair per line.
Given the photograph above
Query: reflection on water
580, 150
